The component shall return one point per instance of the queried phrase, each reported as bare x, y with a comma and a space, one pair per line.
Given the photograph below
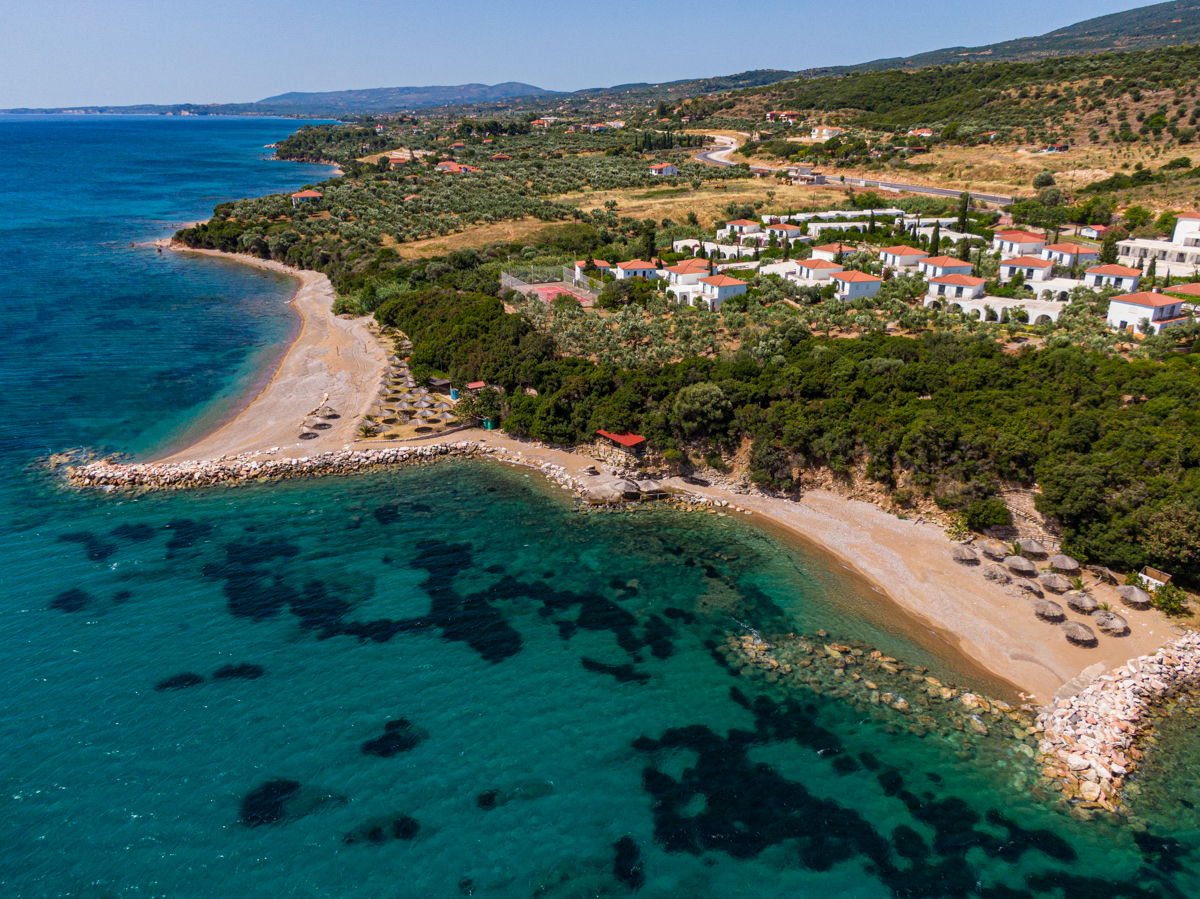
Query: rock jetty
1089, 744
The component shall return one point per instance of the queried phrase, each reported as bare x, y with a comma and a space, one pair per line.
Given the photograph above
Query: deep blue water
436, 682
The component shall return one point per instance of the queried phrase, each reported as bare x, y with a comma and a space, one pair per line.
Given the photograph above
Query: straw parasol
964, 555
1079, 634
1134, 596
994, 549
1048, 610
1111, 623
1082, 602
1064, 564
404, 407
442, 406
1031, 547
1030, 587
424, 404
426, 413
997, 573
1020, 565
446, 416
1054, 582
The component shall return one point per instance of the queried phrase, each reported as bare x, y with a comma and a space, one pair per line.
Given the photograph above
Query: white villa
1119, 276
1016, 243
940, 266
603, 268
901, 256
664, 169
1033, 268
818, 269
1069, 254
855, 285
956, 287
636, 268
1178, 256
716, 289
1127, 313
829, 252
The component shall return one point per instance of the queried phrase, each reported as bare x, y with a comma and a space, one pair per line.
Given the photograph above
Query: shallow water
441, 681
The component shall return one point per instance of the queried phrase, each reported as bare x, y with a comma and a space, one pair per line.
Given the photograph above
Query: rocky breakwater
107, 475
1089, 746
899, 696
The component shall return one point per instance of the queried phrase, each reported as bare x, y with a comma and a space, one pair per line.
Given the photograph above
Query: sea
435, 682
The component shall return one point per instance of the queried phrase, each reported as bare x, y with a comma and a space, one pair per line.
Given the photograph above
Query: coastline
329, 360
341, 363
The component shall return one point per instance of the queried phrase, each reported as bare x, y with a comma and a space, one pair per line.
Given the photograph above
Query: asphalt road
710, 156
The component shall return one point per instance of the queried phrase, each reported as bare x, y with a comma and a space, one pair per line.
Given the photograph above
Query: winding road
720, 156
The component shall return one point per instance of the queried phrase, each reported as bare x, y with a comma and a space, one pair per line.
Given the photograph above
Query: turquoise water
442, 681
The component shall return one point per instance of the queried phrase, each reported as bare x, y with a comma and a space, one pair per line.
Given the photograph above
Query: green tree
935, 239
964, 204
1108, 249
699, 408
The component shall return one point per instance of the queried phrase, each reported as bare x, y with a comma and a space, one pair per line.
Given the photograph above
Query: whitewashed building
940, 266
1069, 254
956, 287
1127, 313
636, 268
1033, 268
818, 269
901, 256
1016, 243
1122, 277
716, 289
856, 285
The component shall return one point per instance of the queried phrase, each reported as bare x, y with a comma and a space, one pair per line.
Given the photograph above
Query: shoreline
328, 361
340, 363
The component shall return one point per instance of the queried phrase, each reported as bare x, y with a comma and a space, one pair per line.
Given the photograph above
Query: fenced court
545, 284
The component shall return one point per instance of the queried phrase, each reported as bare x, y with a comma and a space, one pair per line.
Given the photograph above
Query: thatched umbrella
1111, 623
1030, 587
1079, 634
1134, 596
1105, 574
404, 407
1031, 547
994, 549
1054, 582
1020, 565
1064, 564
426, 413
964, 555
424, 404
1048, 610
1082, 602
997, 573
446, 416
442, 406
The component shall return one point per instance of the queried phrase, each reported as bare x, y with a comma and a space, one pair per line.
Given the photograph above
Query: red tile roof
835, 248
1027, 262
903, 250
623, 439
1189, 290
599, 263
308, 194
741, 222
474, 385
1020, 236
855, 277
635, 264
1147, 299
944, 261
1116, 271
722, 281
959, 280
819, 263
1075, 248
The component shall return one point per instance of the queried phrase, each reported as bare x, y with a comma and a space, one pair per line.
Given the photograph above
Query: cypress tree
935, 238
871, 225
1151, 271
964, 203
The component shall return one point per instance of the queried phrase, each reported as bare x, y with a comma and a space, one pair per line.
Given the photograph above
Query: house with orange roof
784, 229
636, 268
501, 157
740, 227
957, 287
306, 196
790, 117
581, 267
663, 169
818, 269
902, 256
1016, 243
830, 251
1157, 310
716, 289
1069, 254
1122, 277
1033, 268
855, 285
939, 266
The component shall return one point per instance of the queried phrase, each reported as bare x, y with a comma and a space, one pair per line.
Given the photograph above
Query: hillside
386, 99
1162, 25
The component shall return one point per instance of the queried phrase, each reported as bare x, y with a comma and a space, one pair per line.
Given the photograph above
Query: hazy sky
69, 53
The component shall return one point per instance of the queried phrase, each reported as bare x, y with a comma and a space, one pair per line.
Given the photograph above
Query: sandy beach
340, 361
333, 360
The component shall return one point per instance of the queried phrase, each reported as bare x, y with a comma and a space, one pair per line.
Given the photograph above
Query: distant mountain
384, 99
1163, 25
